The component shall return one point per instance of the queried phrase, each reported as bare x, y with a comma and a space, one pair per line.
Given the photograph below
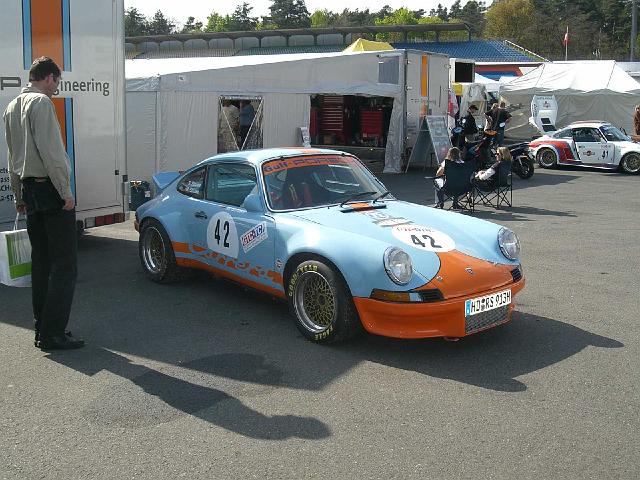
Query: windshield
315, 181
613, 134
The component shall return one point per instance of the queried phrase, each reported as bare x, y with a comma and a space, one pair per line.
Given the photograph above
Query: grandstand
322, 40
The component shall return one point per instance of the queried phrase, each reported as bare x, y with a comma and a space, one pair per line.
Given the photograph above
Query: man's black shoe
64, 342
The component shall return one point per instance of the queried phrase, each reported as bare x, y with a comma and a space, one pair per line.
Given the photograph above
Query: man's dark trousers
52, 232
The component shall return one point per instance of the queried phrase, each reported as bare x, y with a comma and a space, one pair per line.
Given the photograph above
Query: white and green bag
15, 257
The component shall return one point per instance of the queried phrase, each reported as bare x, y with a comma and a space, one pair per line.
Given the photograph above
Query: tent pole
634, 30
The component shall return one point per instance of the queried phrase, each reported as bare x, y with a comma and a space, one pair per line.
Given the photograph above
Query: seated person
453, 155
486, 179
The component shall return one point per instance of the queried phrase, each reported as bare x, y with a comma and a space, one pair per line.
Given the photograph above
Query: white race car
588, 144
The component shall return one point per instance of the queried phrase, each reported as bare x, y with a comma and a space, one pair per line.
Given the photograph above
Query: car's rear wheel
631, 163
156, 253
546, 158
321, 303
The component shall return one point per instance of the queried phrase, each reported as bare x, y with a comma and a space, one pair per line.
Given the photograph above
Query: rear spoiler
162, 179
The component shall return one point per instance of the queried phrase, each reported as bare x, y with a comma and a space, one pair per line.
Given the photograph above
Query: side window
230, 183
563, 134
192, 185
586, 135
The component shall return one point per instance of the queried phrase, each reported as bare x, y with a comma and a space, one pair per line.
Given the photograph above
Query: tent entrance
239, 123
350, 121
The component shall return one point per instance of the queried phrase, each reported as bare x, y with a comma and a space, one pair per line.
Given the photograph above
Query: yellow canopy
362, 45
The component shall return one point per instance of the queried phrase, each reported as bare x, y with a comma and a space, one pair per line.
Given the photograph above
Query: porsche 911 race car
588, 144
316, 228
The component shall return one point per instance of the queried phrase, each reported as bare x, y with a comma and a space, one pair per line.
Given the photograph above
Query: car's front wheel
546, 158
631, 163
156, 253
321, 303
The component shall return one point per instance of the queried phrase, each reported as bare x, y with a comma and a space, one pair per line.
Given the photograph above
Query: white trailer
86, 40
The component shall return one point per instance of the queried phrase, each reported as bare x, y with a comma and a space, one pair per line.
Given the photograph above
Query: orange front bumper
421, 320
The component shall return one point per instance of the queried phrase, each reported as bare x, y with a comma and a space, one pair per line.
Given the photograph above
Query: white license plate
474, 306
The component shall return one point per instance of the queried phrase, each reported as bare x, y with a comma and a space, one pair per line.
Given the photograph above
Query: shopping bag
15, 257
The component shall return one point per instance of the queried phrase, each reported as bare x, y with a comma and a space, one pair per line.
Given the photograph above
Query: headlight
397, 263
509, 244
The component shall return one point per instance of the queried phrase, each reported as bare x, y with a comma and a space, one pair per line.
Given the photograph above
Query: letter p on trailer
86, 40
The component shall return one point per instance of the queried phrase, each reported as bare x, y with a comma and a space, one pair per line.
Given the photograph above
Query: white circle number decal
424, 238
222, 236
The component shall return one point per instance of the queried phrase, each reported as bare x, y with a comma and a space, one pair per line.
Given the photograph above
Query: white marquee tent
173, 104
587, 90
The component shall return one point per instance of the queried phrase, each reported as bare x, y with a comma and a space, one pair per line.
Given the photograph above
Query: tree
159, 25
355, 17
322, 18
241, 20
191, 26
135, 24
289, 14
473, 14
455, 11
217, 23
440, 12
402, 16
509, 19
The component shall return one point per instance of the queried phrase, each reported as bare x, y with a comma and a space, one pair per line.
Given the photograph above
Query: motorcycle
522, 163
483, 152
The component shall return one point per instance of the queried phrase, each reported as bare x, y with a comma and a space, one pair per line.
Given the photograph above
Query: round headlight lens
398, 265
509, 243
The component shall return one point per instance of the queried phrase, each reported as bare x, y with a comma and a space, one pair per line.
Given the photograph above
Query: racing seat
497, 191
455, 186
295, 190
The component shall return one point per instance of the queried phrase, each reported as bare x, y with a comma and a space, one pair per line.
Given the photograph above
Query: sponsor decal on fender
253, 237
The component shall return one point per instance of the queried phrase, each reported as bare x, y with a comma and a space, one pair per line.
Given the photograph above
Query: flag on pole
565, 40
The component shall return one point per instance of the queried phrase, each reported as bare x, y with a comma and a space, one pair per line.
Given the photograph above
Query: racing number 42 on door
225, 227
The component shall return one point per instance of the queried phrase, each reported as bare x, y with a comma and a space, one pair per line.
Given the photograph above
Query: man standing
502, 119
247, 112
41, 182
470, 128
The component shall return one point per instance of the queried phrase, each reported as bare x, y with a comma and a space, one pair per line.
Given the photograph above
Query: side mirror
253, 203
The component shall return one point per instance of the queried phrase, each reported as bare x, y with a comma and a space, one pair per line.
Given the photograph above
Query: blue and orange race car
316, 228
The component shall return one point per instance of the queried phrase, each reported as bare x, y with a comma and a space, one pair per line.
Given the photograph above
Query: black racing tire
156, 253
525, 170
630, 163
546, 158
321, 303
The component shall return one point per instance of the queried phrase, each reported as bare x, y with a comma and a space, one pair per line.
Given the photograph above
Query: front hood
421, 231
627, 145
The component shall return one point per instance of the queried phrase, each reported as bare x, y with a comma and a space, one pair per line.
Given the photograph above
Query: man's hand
21, 209
69, 204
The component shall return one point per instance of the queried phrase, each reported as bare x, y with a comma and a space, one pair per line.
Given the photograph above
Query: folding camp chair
498, 190
455, 183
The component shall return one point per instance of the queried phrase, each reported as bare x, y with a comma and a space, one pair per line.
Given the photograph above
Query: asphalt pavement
204, 379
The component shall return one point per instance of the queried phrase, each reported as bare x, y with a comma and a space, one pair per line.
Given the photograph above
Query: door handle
201, 214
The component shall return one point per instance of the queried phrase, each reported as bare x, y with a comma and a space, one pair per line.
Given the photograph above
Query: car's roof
587, 123
257, 157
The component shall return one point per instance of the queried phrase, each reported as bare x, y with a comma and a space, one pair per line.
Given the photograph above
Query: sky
179, 10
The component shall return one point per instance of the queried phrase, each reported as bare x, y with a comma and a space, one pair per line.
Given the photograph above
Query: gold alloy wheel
315, 302
153, 251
